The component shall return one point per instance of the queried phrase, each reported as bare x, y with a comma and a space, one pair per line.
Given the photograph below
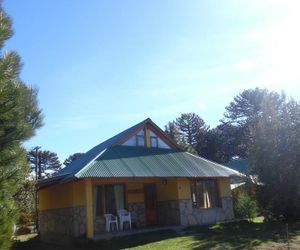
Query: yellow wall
167, 189
135, 197
69, 194
184, 189
78, 193
57, 196
224, 187
72, 194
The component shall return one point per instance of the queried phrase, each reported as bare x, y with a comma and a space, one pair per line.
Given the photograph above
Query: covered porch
152, 202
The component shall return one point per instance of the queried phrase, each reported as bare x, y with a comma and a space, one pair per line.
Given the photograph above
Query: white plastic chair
110, 219
124, 216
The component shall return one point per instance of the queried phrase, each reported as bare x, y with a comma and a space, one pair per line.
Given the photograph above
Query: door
150, 204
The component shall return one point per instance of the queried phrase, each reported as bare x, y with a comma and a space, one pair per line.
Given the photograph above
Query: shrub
245, 207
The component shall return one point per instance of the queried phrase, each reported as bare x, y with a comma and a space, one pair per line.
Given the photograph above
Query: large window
204, 193
109, 199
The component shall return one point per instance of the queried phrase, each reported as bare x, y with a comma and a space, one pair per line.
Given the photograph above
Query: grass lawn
238, 235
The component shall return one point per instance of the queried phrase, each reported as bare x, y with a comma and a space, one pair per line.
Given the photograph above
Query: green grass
238, 235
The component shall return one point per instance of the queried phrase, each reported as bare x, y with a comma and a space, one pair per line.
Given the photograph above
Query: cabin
140, 171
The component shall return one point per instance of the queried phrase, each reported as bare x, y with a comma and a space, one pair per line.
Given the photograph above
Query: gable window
204, 193
154, 141
140, 140
109, 199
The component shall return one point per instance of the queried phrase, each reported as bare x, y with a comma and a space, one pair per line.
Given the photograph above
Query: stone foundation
58, 225
99, 225
168, 212
203, 216
138, 217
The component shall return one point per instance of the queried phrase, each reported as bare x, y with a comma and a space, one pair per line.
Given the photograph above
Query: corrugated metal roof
109, 160
127, 161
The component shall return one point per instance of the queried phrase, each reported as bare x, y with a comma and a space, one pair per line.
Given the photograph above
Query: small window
154, 141
140, 140
204, 193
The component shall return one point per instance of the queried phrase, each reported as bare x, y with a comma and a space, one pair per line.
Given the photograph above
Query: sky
103, 66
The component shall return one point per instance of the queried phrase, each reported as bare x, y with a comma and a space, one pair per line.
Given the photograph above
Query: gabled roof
110, 159
84, 159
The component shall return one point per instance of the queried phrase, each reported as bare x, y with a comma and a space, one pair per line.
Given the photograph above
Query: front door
150, 204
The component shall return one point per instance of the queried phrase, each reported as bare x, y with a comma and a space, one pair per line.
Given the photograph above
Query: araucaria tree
191, 128
47, 163
188, 130
19, 118
243, 114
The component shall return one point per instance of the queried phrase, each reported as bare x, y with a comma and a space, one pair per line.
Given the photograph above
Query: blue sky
102, 66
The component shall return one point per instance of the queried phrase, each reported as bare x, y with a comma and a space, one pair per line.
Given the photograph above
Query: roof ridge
89, 163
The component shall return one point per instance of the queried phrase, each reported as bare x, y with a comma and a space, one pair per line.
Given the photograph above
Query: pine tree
19, 118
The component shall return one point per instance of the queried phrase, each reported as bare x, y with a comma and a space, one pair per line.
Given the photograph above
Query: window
204, 193
140, 140
154, 141
109, 199
99, 198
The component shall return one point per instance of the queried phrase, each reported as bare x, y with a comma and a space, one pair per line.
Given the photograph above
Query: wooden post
89, 208
147, 136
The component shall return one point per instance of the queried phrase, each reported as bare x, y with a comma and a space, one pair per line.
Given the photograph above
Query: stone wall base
61, 224
205, 216
138, 214
168, 212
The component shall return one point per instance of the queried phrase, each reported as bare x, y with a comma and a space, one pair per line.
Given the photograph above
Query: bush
245, 207
26, 219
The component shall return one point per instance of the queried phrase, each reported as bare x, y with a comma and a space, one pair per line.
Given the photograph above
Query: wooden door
150, 204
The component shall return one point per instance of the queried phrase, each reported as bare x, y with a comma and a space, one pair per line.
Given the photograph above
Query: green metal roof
84, 159
128, 161
110, 160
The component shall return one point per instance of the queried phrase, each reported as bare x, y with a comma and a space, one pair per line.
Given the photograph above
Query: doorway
150, 204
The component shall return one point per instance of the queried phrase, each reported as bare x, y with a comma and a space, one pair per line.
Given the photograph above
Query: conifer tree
275, 157
48, 163
20, 116
72, 158
191, 128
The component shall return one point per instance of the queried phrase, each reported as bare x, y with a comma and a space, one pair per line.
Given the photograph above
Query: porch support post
89, 208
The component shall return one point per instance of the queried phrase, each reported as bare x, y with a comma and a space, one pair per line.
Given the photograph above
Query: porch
110, 235
153, 203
